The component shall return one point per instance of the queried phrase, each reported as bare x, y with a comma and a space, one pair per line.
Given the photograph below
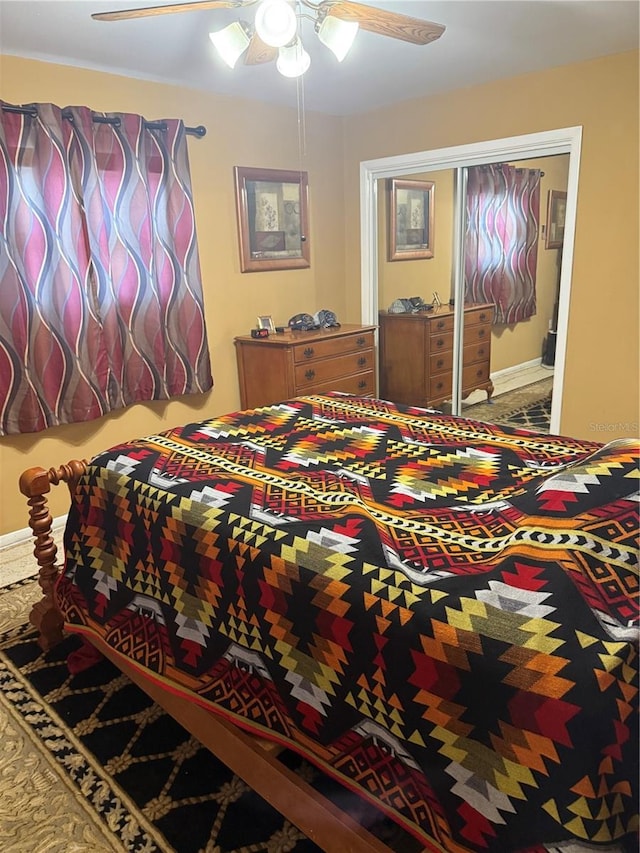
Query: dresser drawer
316, 372
443, 361
440, 362
437, 325
474, 375
313, 349
476, 334
361, 383
477, 352
440, 386
482, 315
441, 343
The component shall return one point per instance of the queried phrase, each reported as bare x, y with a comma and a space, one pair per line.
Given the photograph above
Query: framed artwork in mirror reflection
556, 212
411, 219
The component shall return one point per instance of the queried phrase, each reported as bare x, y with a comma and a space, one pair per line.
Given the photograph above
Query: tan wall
602, 362
238, 133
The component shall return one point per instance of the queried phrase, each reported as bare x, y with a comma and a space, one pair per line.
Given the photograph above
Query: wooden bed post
35, 483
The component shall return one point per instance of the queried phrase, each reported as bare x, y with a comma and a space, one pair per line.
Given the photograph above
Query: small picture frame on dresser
265, 322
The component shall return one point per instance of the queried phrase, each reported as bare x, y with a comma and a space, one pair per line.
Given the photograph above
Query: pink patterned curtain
501, 241
100, 291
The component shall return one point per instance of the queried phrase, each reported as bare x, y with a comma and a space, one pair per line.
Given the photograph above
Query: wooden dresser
290, 364
416, 354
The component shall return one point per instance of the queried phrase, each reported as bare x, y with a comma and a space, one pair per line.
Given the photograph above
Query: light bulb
293, 60
276, 22
231, 42
337, 35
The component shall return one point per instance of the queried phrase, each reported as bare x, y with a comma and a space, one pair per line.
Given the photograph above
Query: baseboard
19, 537
517, 368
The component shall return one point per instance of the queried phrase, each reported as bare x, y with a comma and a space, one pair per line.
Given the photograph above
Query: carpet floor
90, 763
528, 407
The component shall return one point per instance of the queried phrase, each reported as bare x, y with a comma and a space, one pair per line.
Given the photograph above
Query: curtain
501, 239
100, 292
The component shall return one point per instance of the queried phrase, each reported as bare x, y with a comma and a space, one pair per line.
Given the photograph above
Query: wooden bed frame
251, 758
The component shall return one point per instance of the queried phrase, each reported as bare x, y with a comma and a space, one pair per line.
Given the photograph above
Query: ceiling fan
275, 33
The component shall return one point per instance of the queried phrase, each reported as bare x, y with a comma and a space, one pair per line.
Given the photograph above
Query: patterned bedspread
441, 613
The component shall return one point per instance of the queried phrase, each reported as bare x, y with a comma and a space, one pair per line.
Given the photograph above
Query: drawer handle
479, 373
440, 324
361, 342
362, 361
440, 342
362, 384
309, 374
308, 352
440, 362
439, 386
483, 317
480, 350
482, 333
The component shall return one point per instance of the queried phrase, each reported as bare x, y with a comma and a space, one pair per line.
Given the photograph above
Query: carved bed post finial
35, 483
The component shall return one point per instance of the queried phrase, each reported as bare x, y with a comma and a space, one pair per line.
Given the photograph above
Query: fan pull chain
302, 132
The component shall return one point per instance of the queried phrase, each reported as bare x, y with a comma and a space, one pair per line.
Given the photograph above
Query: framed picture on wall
273, 226
556, 211
411, 207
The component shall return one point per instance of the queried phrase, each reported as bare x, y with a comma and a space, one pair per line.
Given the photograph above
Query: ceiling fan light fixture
337, 35
276, 22
293, 60
231, 42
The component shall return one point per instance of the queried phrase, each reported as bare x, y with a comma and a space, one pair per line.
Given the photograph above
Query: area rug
525, 408
90, 763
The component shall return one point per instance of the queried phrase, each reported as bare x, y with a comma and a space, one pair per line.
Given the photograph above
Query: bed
440, 614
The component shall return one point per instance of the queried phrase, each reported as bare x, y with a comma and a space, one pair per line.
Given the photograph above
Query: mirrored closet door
452, 336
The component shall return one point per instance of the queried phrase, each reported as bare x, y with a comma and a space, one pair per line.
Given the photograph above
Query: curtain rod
518, 168
198, 131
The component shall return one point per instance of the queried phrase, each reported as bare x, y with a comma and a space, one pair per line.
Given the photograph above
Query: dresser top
290, 338
444, 310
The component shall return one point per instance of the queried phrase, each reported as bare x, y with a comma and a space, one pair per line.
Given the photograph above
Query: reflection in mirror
516, 358
410, 219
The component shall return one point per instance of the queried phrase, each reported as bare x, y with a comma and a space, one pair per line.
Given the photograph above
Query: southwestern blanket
441, 613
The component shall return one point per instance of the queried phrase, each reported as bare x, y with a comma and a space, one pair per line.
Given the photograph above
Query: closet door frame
566, 140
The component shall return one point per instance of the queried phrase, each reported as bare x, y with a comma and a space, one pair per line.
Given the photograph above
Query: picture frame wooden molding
556, 212
273, 221
411, 219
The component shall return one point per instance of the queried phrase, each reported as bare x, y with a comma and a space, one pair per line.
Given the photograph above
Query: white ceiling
484, 40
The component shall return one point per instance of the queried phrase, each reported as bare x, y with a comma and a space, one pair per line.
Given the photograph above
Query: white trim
19, 537
516, 368
566, 140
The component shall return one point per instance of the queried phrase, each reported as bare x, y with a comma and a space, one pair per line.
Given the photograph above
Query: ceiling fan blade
384, 23
259, 52
150, 11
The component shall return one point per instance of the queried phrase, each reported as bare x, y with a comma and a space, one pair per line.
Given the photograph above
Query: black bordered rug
90, 763
535, 416
528, 407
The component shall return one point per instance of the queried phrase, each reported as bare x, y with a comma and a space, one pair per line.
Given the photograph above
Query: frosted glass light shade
231, 42
276, 22
293, 60
337, 35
